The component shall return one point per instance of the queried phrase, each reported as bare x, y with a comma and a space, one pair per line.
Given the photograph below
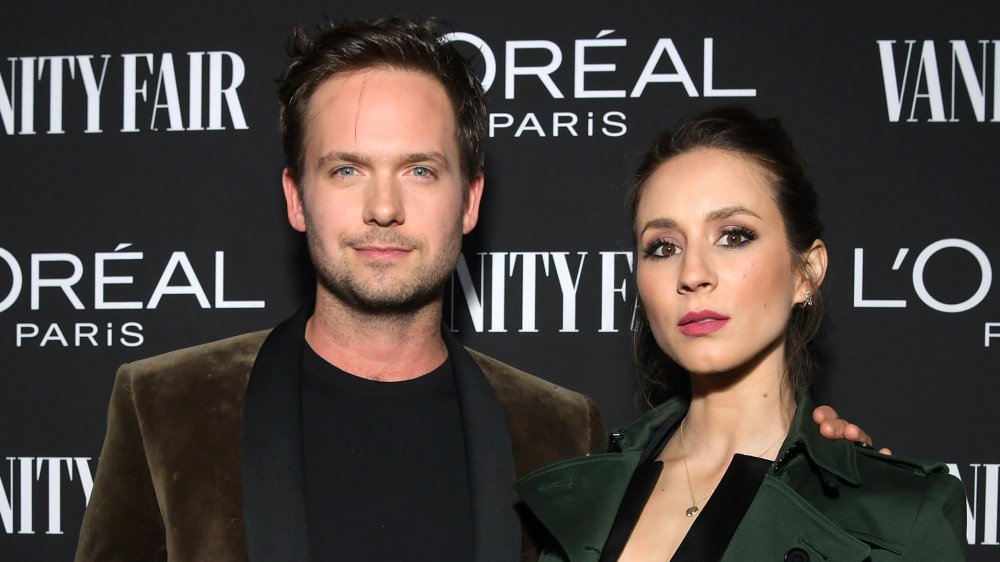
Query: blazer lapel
495, 524
274, 510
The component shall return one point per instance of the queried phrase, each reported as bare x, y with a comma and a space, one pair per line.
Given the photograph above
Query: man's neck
385, 347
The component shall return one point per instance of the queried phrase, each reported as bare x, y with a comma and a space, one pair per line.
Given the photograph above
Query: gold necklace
691, 511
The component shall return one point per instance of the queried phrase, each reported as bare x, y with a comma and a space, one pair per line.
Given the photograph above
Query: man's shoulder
229, 357
509, 380
547, 422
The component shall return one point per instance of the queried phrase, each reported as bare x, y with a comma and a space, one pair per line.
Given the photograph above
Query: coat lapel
780, 521
577, 500
495, 524
274, 510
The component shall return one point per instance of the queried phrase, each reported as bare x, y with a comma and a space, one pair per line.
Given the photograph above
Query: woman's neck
747, 412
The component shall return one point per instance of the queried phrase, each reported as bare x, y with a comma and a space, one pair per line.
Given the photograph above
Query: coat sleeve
122, 521
939, 529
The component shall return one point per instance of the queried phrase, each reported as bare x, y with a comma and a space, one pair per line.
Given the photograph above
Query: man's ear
293, 201
814, 262
473, 195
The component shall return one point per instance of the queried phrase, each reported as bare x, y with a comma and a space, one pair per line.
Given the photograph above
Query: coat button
796, 555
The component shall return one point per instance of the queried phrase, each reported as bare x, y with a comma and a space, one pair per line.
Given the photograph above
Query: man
359, 428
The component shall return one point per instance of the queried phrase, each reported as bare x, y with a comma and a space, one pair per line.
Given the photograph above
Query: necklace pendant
691, 511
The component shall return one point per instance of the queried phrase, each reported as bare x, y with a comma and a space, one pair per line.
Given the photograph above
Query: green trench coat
820, 500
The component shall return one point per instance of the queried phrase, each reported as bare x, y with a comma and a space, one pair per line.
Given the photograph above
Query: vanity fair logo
35, 90
982, 490
32, 491
105, 281
916, 90
924, 257
517, 66
481, 285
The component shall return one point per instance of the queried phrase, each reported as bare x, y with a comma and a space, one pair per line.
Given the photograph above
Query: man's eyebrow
331, 158
432, 156
339, 157
726, 212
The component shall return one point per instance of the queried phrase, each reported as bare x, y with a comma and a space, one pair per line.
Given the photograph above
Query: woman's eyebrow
726, 212
658, 223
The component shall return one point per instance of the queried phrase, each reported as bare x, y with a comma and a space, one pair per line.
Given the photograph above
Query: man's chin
385, 299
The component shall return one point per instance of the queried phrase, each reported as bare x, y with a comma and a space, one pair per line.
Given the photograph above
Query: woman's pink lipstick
702, 322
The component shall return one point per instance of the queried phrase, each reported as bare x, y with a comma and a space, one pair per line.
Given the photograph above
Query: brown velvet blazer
203, 455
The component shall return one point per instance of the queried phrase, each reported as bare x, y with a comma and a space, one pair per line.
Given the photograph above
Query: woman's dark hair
390, 43
765, 143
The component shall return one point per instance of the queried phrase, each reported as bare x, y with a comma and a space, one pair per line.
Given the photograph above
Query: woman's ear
814, 261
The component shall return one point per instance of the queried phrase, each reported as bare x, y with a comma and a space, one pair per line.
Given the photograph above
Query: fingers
830, 424
824, 413
832, 427
854, 433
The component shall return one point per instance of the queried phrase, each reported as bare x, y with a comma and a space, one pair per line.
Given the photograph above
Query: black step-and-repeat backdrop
140, 205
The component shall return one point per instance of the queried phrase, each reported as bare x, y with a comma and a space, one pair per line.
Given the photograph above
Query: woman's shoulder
859, 471
890, 502
895, 503
901, 484
898, 467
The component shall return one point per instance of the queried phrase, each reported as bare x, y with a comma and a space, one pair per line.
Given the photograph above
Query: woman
729, 266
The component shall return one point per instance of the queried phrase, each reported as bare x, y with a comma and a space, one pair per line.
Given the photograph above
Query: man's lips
701, 322
382, 252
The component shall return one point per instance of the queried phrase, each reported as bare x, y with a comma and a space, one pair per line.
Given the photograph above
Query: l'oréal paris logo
525, 64
977, 277
120, 280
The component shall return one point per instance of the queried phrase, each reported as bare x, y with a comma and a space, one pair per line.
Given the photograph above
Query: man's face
381, 193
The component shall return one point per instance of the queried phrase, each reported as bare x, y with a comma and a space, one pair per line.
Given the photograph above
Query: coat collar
839, 456
595, 485
273, 480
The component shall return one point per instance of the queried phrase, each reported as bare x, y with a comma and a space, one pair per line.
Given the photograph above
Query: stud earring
807, 298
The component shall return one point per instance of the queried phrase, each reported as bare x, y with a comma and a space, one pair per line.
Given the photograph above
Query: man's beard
383, 293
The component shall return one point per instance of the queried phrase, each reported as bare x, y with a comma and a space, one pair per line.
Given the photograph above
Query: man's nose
384, 203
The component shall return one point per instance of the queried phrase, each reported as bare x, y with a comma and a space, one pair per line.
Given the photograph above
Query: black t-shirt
386, 474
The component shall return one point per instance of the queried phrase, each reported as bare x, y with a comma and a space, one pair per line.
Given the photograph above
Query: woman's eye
737, 237
662, 249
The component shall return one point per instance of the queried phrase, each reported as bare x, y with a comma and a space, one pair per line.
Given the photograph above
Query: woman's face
713, 266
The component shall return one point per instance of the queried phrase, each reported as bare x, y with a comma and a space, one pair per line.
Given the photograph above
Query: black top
386, 475
719, 518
